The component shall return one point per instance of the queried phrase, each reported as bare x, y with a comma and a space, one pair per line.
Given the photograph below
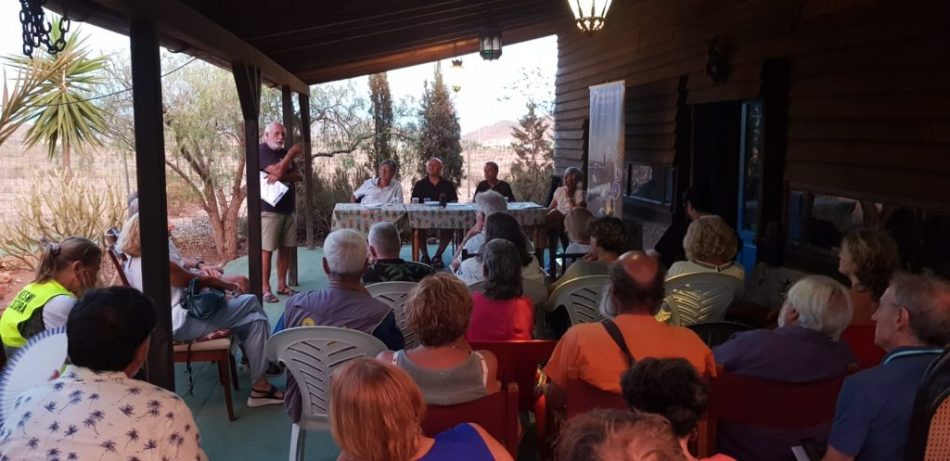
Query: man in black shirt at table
492, 182
435, 188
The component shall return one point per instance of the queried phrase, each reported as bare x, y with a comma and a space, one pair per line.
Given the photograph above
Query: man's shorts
278, 230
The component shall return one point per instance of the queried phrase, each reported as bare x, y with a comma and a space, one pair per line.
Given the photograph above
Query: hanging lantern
455, 75
589, 14
489, 43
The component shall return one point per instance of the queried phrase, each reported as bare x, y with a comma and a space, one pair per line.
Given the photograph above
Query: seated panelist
382, 189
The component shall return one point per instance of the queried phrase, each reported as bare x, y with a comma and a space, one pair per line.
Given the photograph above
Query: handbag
202, 304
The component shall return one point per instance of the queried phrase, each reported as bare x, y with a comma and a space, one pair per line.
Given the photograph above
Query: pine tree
531, 172
381, 109
440, 134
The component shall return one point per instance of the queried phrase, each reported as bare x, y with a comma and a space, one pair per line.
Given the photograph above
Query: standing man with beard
278, 222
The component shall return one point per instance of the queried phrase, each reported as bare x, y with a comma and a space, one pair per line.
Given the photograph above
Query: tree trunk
66, 160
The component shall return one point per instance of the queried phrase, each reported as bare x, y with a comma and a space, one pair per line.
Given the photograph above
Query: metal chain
36, 31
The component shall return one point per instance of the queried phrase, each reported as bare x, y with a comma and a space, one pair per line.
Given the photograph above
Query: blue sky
478, 103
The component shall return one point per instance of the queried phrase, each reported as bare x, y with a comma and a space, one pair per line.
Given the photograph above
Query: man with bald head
435, 188
278, 222
589, 351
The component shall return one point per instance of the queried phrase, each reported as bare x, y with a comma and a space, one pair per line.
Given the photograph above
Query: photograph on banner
605, 170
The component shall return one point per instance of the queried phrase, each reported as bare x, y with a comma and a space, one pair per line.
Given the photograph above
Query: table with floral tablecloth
362, 217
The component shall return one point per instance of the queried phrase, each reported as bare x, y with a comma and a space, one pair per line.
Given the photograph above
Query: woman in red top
501, 312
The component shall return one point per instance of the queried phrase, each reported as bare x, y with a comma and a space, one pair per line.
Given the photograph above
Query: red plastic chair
582, 397
763, 403
497, 413
861, 340
518, 363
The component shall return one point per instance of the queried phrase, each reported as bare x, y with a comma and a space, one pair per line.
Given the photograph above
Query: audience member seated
506, 227
710, 245
803, 349
242, 314
64, 272
606, 241
567, 197
435, 188
94, 407
872, 417
868, 258
672, 389
589, 352
344, 303
486, 204
443, 365
697, 201
382, 189
501, 312
577, 224
377, 412
384, 246
494, 184
618, 435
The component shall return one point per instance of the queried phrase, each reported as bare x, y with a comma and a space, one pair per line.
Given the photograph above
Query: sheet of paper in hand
272, 193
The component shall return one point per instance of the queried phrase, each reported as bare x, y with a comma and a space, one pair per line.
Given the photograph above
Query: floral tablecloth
462, 215
362, 217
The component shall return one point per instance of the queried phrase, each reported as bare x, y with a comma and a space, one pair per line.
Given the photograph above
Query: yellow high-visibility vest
17, 323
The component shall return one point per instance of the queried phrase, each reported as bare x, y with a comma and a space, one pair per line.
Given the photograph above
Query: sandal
287, 291
262, 398
270, 298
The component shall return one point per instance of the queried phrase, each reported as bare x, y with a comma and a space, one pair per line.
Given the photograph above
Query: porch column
307, 167
288, 110
248, 81
150, 177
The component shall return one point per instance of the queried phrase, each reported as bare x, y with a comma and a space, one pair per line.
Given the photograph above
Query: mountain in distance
496, 134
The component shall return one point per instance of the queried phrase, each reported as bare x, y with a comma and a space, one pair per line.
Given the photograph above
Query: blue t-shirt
461, 443
872, 418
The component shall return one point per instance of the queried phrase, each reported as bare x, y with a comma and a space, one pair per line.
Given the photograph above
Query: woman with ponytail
65, 271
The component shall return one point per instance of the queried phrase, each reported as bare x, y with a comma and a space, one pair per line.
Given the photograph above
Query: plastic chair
395, 295
497, 413
861, 340
581, 397
311, 354
702, 297
929, 438
772, 404
581, 297
716, 333
518, 363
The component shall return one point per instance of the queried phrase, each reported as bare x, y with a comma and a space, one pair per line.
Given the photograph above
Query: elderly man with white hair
344, 303
278, 221
804, 348
384, 246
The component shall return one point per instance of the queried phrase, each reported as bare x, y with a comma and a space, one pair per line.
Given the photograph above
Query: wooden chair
518, 363
395, 295
497, 413
861, 340
310, 355
772, 404
929, 438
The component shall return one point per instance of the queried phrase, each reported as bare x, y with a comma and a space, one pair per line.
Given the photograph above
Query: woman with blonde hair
869, 259
444, 365
376, 413
65, 271
710, 245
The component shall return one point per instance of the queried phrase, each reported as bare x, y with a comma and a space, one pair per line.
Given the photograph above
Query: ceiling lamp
589, 14
489, 43
455, 75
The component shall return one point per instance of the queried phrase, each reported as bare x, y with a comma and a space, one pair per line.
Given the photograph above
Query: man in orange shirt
588, 352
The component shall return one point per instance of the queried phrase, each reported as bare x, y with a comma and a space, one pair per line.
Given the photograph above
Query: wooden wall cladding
869, 96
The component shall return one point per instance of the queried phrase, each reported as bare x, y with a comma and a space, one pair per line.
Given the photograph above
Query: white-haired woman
804, 348
710, 245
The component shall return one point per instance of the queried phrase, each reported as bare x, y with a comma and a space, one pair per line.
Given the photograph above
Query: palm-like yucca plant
62, 114
28, 86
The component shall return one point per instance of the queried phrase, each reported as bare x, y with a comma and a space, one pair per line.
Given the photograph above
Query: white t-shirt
564, 205
56, 310
133, 272
690, 267
374, 195
471, 271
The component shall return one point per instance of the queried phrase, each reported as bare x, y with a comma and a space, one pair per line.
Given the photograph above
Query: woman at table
567, 197
382, 189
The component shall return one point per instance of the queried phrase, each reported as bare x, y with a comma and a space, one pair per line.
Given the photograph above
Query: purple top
461, 443
792, 354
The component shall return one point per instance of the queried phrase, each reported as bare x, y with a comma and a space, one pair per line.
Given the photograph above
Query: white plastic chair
701, 297
395, 295
581, 297
534, 290
311, 354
